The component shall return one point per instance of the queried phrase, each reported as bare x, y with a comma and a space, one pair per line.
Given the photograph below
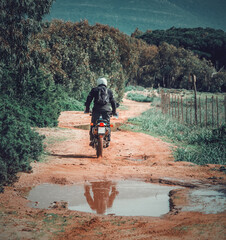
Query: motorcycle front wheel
99, 147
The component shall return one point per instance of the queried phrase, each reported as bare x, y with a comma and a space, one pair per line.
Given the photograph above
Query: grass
134, 88
55, 223
123, 107
139, 97
140, 94
195, 144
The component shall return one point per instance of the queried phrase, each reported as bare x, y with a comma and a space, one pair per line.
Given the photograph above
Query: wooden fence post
217, 112
224, 109
206, 111
200, 112
178, 108
195, 99
182, 108
175, 106
212, 113
186, 110
172, 106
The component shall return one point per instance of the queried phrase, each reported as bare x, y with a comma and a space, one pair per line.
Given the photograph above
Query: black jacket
109, 107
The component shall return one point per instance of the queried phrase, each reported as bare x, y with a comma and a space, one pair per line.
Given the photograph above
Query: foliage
25, 90
135, 88
139, 97
198, 145
42, 73
76, 54
42, 100
19, 144
80, 53
171, 67
68, 103
19, 21
206, 42
39, 98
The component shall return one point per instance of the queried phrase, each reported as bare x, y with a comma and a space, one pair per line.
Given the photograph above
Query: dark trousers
95, 117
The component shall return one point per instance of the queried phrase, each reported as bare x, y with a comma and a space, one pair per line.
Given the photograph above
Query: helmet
102, 80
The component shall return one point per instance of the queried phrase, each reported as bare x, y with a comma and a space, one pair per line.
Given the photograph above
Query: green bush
135, 88
19, 144
41, 100
139, 97
130, 88
36, 92
68, 103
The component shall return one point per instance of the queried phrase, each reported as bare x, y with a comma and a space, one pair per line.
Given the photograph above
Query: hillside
128, 15
205, 42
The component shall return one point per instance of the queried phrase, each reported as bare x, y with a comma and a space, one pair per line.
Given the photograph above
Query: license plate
101, 130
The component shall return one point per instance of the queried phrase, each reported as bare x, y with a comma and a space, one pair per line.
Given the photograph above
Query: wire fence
204, 112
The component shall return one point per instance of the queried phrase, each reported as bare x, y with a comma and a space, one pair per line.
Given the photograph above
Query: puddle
122, 198
209, 201
136, 160
87, 127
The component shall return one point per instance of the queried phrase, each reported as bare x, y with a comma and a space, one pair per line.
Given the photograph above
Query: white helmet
102, 80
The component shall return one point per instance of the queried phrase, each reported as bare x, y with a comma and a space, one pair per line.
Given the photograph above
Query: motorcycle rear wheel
99, 147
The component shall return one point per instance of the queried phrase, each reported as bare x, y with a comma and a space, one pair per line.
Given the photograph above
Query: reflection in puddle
123, 198
104, 194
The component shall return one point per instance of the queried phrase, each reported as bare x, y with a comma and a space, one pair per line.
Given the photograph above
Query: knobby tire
99, 148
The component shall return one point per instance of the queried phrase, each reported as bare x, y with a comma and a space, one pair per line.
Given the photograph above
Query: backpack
102, 97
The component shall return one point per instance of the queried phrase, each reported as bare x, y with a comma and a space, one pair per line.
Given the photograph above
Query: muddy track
131, 155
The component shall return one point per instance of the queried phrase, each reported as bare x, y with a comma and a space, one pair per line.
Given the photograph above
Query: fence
205, 112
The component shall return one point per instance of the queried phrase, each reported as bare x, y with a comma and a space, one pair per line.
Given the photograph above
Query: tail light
101, 124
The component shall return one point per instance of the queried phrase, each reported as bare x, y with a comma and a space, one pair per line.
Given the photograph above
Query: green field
195, 144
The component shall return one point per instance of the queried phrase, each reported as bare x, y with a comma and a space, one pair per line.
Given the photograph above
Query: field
203, 143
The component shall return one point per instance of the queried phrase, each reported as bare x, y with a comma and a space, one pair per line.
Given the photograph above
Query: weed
139, 97
123, 107
197, 145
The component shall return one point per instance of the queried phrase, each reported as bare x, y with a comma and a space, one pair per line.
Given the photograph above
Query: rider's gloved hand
86, 110
115, 114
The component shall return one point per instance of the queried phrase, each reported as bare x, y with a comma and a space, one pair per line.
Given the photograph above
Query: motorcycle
101, 131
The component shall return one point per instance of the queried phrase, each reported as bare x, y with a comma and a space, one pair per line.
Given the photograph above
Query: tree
19, 20
207, 43
20, 78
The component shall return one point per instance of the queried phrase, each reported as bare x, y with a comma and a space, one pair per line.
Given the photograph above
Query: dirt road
131, 155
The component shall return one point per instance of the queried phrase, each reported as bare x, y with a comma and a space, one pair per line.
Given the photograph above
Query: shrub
41, 100
130, 88
19, 144
139, 97
68, 103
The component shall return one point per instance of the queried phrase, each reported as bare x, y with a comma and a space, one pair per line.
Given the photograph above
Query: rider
100, 109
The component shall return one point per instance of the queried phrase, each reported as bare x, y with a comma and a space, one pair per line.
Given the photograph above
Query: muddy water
123, 198
207, 201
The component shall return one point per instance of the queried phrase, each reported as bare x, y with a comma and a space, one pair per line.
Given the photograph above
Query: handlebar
111, 114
